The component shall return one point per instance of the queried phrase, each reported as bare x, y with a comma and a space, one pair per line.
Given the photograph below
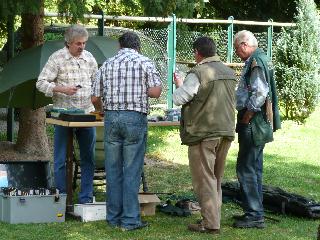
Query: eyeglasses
236, 47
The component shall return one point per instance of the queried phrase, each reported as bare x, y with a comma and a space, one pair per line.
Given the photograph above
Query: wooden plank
101, 123
164, 123
74, 124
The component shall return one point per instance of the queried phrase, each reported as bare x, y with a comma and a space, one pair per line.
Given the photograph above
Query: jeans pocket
135, 132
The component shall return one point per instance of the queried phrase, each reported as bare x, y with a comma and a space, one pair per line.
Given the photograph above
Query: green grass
291, 162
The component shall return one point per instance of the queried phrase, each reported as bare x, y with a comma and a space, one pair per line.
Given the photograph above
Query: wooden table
69, 157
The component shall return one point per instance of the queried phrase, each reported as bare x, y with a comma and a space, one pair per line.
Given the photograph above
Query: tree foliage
165, 8
263, 10
297, 63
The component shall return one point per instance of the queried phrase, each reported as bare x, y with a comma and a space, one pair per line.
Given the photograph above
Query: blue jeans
125, 144
249, 172
86, 138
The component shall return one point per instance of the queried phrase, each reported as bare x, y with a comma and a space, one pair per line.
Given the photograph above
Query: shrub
297, 63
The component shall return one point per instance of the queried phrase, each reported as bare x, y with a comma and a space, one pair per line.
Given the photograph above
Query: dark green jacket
259, 58
211, 113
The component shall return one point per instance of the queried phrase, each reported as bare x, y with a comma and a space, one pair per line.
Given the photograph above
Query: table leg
69, 171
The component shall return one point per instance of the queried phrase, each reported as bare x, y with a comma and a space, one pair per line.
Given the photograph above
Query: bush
297, 64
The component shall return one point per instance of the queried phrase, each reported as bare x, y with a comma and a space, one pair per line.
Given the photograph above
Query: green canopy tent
19, 75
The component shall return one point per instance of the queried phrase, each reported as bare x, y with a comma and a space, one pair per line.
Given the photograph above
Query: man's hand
177, 79
247, 117
97, 103
68, 90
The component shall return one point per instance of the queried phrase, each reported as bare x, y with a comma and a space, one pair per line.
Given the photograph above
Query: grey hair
247, 37
75, 31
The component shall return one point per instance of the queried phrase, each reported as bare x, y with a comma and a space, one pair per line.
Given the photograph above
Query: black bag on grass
277, 200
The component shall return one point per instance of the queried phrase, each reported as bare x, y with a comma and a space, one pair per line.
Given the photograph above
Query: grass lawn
291, 162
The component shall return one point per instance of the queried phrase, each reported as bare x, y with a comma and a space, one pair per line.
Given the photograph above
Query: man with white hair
257, 118
67, 78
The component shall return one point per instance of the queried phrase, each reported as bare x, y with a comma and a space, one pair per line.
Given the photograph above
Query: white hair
247, 37
75, 31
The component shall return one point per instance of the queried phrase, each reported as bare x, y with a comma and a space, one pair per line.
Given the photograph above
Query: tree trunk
32, 137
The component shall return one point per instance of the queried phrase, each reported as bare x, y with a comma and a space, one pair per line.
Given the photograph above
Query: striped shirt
123, 81
63, 69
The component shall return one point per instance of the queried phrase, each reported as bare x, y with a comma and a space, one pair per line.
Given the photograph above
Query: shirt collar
246, 62
69, 56
125, 50
214, 58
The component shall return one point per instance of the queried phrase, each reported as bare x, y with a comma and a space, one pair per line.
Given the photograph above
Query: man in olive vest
257, 118
207, 126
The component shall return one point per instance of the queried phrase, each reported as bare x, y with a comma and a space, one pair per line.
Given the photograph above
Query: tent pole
10, 54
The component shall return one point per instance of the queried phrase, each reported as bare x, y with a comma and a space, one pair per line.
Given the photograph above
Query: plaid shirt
65, 70
123, 81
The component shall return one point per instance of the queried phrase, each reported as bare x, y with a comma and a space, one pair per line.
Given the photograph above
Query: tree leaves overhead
123, 7
74, 9
262, 10
17, 7
165, 8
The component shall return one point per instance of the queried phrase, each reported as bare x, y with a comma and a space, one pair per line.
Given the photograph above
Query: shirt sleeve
153, 76
94, 70
49, 73
97, 85
259, 89
187, 91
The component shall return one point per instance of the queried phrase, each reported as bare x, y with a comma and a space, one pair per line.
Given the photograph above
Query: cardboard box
148, 204
98, 211
32, 209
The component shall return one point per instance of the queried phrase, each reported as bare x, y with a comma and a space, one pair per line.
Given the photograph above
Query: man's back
127, 77
211, 112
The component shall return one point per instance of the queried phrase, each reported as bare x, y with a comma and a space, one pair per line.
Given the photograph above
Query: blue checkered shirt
123, 81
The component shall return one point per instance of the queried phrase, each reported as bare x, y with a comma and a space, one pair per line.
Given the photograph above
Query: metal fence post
101, 24
230, 40
270, 36
171, 49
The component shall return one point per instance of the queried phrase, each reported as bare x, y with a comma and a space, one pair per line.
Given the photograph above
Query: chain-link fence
154, 46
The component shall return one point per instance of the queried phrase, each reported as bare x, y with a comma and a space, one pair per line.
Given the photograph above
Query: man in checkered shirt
125, 82
67, 77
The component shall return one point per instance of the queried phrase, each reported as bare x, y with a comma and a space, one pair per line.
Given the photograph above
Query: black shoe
168, 208
135, 227
249, 222
239, 217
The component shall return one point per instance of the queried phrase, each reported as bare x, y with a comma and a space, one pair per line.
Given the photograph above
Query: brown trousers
207, 161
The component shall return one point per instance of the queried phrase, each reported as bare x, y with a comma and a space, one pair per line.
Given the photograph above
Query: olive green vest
211, 113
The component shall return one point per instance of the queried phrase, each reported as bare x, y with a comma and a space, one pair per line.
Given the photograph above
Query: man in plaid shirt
67, 78
125, 82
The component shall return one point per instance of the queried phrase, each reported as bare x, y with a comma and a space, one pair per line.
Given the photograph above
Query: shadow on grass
280, 170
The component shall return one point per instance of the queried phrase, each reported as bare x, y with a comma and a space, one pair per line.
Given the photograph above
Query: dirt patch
8, 153
153, 162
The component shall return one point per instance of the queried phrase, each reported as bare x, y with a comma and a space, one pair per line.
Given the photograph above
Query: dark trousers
249, 172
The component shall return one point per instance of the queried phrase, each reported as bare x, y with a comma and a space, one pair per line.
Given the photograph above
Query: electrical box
27, 194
